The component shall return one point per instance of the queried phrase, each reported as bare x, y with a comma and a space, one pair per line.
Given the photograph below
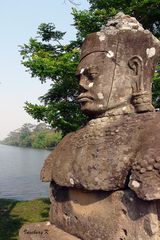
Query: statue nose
84, 83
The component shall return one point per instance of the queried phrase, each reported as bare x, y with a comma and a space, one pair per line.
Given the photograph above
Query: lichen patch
109, 54
150, 52
100, 106
82, 70
100, 95
135, 184
91, 85
101, 36
71, 181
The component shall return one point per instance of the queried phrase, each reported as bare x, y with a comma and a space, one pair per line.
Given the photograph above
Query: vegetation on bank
36, 136
13, 214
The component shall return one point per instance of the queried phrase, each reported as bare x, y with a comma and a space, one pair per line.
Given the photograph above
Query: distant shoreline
48, 149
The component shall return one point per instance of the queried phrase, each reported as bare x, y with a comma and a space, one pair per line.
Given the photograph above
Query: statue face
95, 73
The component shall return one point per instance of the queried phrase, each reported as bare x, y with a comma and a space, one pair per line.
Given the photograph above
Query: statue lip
84, 98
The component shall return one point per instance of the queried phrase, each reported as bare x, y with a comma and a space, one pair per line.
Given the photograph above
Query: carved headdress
126, 43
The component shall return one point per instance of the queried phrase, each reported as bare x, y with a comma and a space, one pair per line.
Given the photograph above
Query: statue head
116, 68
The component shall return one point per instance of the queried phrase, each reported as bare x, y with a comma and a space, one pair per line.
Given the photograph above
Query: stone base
98, 215
43, 231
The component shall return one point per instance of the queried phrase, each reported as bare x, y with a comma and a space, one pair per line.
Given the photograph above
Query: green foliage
146, 12
156, 88
29, 135
45, 139
47, 32
88, 21
47, 58
64, 115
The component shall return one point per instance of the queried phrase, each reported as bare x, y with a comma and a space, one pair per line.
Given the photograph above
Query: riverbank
13, 214
35, 136
27, 147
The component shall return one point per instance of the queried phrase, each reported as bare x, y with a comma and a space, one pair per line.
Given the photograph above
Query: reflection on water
20, 173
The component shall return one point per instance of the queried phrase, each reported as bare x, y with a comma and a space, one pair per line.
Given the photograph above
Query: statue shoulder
46, 172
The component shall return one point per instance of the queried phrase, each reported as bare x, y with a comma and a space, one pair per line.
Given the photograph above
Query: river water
20, 173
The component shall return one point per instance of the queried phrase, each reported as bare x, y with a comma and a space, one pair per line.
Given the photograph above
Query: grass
13, 214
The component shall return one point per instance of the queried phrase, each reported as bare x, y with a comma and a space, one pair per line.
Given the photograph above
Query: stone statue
105, 177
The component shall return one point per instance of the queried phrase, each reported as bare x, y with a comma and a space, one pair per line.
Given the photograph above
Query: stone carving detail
141, 99
105, 177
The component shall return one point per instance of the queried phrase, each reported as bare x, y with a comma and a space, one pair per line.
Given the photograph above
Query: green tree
36, 136
156, 88
45, 139
47, 58
25, 135
21, 136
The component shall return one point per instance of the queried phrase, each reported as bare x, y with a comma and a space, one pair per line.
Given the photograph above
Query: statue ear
141, 99
136, 65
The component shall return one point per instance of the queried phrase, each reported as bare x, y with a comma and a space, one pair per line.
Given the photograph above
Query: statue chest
94, 158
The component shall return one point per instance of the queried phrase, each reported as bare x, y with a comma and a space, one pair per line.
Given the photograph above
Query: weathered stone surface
119, 61
43, 231
104, 215
107, 154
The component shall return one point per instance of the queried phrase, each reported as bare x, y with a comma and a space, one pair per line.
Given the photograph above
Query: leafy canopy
48, 59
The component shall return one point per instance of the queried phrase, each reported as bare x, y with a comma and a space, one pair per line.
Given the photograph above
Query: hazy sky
18, 22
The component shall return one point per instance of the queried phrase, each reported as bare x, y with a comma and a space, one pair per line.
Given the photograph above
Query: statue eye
93, 75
